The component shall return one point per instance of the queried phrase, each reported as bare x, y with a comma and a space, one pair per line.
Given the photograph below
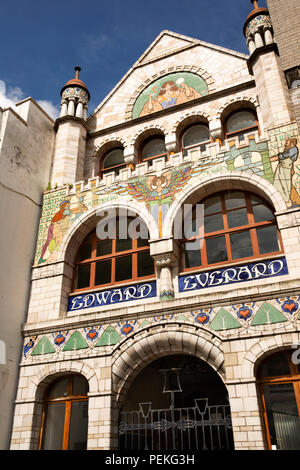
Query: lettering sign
112, 296
233, 274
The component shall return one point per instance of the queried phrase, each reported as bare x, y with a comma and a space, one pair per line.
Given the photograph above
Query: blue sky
44, 40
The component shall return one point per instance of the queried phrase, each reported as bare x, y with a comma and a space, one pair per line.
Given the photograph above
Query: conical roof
76, 81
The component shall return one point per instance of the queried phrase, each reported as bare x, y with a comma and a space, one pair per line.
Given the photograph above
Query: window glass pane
78, 425
83, 276
267, 239
256, 199
104, 247
275, 366
192, 254
241, 246
145, 264
142, 242
212, 223
123, 245
123, 268
103, 272
113, 158
212, 204
195, 135
85, 250
262, 213
80, 385
234, 199
59, 388
153, 148
237, 218
55, 418
216, 250
240, 120
283, 417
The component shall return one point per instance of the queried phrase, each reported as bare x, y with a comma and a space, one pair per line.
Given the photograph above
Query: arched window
240, 122
113, 160
196, 135
112, 261
279, 382
153, 148
237, 225
65, 414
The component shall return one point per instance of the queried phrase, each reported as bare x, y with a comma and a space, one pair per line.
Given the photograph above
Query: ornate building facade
186, 337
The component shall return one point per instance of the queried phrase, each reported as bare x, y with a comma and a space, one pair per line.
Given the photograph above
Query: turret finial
255, 4
77, 70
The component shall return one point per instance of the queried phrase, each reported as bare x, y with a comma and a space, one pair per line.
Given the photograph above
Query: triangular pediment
165, 43
169, 53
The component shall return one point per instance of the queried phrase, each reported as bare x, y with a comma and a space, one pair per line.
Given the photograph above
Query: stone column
79, 109
164, 264
71, 107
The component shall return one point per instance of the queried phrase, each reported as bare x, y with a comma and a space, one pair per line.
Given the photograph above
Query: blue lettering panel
142, 291
233, 274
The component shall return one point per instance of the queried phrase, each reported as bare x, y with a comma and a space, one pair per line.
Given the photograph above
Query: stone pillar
162, 252
79, 109
71, 107
64, 108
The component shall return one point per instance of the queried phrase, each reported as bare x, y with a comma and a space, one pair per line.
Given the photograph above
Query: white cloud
49, 108
9, 98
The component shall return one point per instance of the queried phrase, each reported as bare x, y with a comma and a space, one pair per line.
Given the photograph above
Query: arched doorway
177, 402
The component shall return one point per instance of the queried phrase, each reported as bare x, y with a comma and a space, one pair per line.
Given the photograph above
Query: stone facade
232, 317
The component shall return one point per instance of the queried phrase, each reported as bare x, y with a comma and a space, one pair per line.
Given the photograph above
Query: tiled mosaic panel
247, 316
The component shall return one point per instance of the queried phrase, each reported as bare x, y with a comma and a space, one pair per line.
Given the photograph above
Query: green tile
224, 321
109, 337
75, 342
268, 314
44, 346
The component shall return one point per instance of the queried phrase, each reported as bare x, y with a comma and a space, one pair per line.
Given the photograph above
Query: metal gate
200, 427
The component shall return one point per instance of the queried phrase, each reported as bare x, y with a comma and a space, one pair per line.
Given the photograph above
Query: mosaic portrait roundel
168, 91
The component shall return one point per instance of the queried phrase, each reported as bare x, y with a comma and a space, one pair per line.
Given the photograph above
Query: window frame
227, 231
206, 142
113, 255
150, 159
67, 400
292, 378
103, 171
244, 130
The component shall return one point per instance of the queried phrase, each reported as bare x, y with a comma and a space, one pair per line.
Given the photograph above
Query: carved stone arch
195, 68
108, 143
50, 372
263, 348
235, 104
200, 188
147, 131
88, 221
135, 353
193, 117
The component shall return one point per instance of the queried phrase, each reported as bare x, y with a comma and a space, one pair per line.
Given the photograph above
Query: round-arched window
153, 148
113, 261
241, 122
113, 161
279, 383
236, 225
196, 135
65, 414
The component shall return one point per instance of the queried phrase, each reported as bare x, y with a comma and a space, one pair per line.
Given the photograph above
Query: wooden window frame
67, 400
293, 378
113, 255
149, 159
206, 142
244, 130
103, 171
226, 232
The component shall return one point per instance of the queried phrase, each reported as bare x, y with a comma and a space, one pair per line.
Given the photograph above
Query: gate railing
202, 427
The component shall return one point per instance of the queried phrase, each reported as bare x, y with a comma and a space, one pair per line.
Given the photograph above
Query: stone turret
264, 64
71, 127
75, 97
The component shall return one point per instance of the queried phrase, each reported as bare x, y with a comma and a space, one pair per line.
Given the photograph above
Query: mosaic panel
230, 319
